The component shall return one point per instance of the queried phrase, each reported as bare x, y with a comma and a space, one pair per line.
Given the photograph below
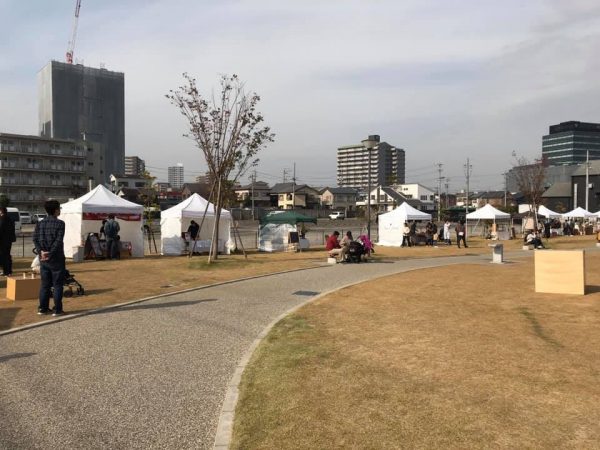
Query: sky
445, 80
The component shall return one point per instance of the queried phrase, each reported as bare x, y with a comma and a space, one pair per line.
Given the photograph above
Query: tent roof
290, 217
543, 211
101, 200
406, 212
488, 212
579, 212
193, 206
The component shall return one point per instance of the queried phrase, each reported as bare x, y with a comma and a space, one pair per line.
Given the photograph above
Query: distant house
201, 189
386, 198
339, 198
290, 195
558, 197
257, 191
130, 194
416, 191
129, 181
494, 198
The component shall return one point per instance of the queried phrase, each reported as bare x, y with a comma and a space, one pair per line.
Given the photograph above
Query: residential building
387, 165
291, 195
84, 103
418, 192
161, 186
494, 198
257, 193
339, 198
128, 181
33, 169
569, 142
386, 198
175, 175
134, 166
202, 189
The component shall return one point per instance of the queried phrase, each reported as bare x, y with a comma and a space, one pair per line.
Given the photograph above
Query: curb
145, 299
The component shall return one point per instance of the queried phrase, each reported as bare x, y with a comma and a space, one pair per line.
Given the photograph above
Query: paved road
150, 375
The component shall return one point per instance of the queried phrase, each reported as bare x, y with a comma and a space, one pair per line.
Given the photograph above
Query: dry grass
453, 357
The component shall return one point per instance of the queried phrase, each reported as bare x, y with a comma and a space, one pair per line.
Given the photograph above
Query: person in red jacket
333, 245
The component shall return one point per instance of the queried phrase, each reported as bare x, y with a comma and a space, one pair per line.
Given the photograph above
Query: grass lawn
453, 357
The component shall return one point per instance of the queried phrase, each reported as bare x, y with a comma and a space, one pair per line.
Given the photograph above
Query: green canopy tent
275, 229
289, 217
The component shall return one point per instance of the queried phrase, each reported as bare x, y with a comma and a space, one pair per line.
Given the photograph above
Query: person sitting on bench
333, 246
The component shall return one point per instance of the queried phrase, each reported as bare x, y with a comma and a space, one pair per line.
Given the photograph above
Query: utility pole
440, 178
253, 182
447, 184
294, 188
468, 168
587, 180
505, 187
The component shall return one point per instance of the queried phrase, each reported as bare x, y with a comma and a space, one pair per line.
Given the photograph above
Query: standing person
406, 236
193, 230
48, 241
413, 233
101, 235
111, 231
461, 233
447, 232
7, 237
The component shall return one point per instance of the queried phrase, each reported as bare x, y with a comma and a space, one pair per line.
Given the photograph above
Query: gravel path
151, 375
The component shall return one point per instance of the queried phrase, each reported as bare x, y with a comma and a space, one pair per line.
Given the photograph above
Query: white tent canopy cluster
176, 220
84, 215
488, 212
579, 213
391, 224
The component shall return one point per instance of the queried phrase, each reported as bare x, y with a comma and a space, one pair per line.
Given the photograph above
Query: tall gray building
387, 165
569, 142
84, 103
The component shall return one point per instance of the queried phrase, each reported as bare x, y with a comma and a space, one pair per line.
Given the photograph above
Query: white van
13, 213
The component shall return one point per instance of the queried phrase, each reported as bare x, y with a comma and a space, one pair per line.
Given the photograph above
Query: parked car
38, 217
337, 215
14, 215
25, 217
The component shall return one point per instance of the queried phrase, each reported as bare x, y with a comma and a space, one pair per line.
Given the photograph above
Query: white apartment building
416, 191
175, 174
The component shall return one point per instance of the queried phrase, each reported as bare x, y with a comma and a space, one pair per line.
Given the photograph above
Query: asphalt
153, 374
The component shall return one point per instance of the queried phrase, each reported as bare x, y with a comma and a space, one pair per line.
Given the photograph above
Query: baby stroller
72, 286
355, 252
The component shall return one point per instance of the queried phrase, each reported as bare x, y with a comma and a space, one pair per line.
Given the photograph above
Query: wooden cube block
22, 288
560, 271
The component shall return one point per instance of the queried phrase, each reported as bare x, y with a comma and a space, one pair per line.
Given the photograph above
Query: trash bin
497, 253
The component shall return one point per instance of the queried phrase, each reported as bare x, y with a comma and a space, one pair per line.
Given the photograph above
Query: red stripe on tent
102, 216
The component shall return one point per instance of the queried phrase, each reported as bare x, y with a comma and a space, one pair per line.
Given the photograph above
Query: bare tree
530, 178
229, 132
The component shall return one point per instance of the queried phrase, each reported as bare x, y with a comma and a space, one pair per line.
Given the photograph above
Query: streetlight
369, 144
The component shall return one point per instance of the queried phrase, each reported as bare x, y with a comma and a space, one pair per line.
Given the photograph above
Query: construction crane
71, 47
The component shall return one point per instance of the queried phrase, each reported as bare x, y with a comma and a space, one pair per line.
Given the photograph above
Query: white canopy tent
548, 213
176, 220
579, 213
391, 225
84, 215
487, 212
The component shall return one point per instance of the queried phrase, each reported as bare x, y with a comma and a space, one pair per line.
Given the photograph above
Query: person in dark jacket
193, 230
461, 233
7, 237
111, 231
48, 241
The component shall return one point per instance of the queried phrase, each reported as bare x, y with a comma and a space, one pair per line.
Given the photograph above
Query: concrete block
331, 261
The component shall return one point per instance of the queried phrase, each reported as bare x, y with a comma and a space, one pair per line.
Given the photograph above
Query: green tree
4, 201
228, 130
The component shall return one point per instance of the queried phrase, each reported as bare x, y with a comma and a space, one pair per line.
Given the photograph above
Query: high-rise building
134, 166
176, 176
84, 103
387, 165
569, 142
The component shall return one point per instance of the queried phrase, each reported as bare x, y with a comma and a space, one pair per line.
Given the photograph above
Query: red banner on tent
102, 216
